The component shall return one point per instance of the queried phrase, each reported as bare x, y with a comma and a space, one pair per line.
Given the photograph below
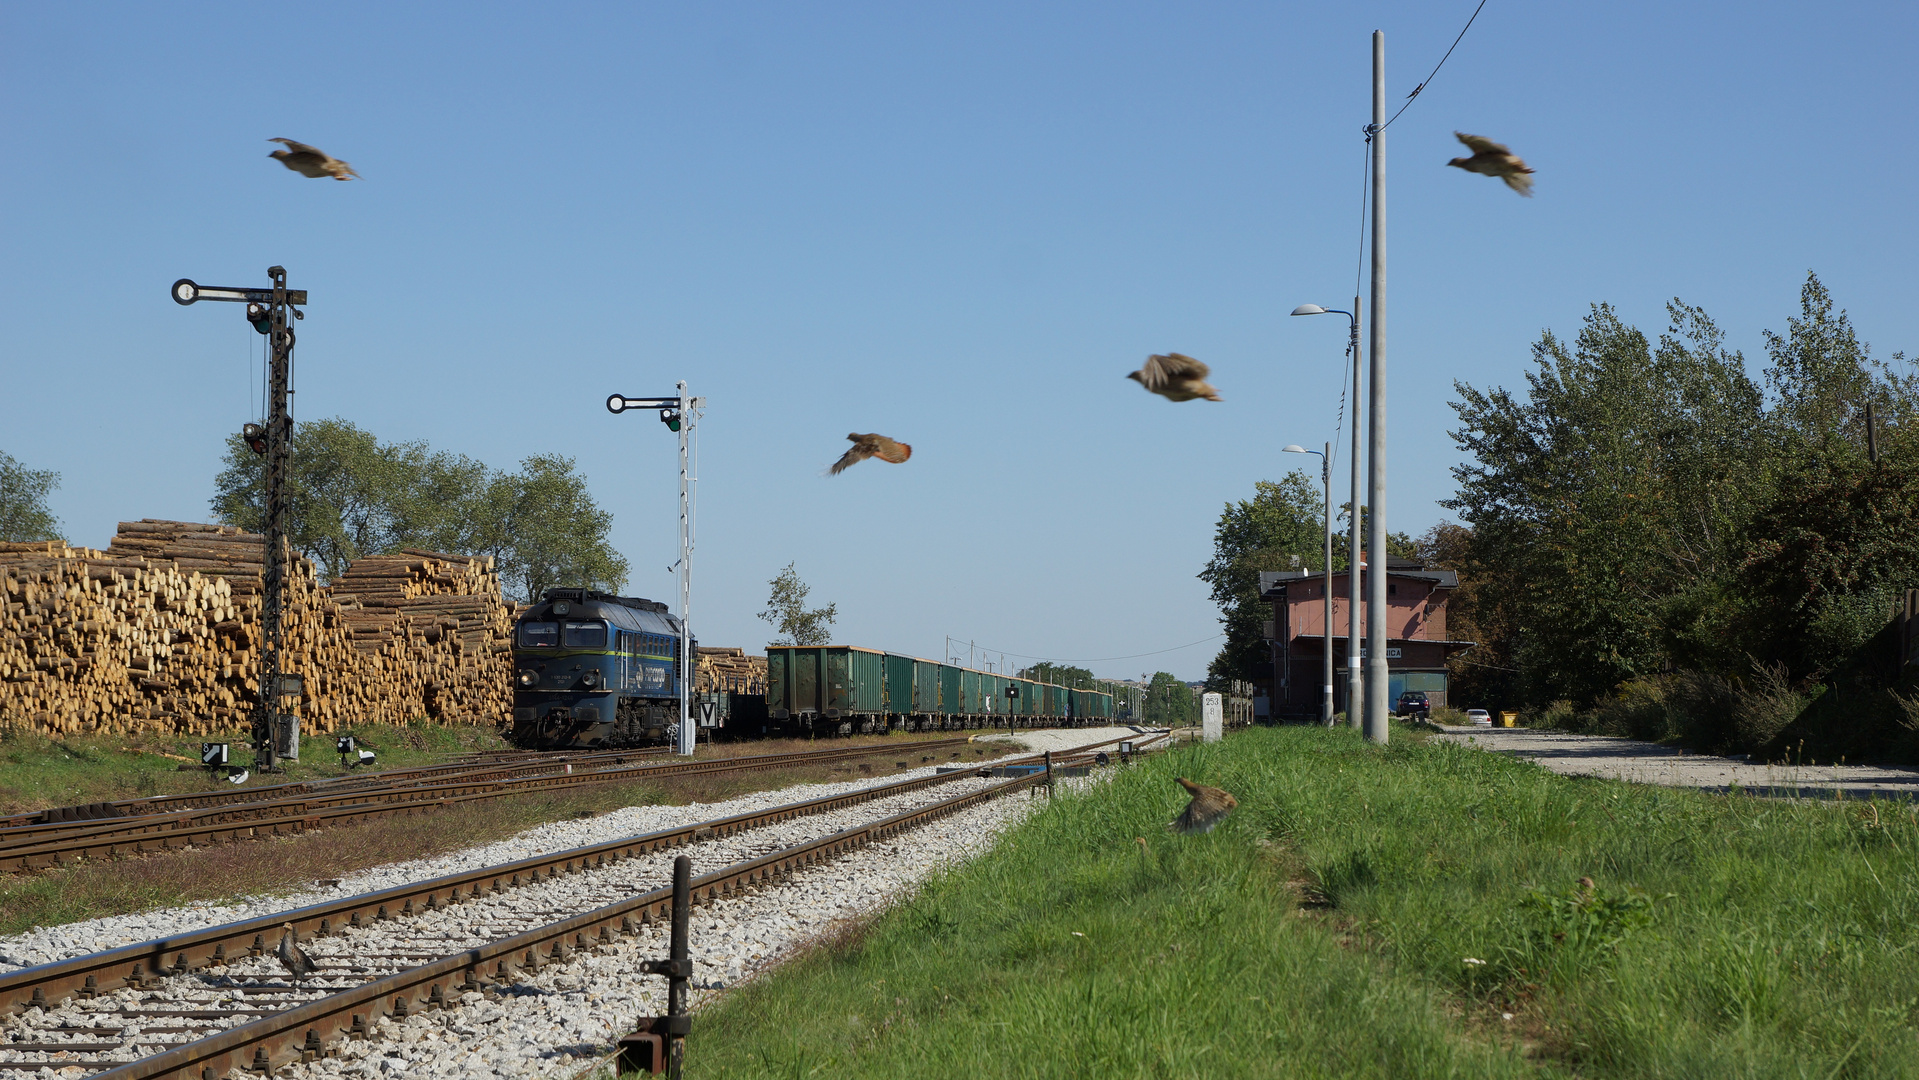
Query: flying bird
311, 161
298, 963
1176, 377
1209, 806
1491, 159
866, 446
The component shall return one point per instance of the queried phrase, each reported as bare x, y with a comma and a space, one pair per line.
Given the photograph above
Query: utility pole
679, 413
1355, 675
267, 310
1326, 677
1378, 678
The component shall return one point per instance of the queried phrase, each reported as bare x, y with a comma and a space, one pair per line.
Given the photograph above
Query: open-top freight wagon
847, 688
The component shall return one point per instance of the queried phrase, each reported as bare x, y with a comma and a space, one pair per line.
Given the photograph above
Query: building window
1392, 590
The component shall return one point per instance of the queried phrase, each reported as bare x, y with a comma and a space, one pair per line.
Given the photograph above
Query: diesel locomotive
593, 670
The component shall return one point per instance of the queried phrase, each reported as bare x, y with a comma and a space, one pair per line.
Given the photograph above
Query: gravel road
1650, 763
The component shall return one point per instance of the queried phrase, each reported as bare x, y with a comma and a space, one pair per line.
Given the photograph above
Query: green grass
37, 771
1720, 937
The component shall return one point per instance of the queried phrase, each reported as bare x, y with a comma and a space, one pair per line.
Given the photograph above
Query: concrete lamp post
1326, 478
1355, 677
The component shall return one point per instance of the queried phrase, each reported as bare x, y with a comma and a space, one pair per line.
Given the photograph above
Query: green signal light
671, 418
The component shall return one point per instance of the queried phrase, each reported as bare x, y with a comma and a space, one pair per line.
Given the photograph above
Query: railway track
43, 844
201, 1003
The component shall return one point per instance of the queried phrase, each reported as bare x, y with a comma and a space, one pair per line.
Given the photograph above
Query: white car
1479, 718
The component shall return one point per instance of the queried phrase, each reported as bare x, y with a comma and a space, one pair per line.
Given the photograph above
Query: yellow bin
1508, 719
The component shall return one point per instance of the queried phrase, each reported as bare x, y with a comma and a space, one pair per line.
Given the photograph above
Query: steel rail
304, 1032
36, 846
136, 964
516, 763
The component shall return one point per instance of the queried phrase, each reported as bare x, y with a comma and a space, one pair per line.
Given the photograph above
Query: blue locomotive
592, 670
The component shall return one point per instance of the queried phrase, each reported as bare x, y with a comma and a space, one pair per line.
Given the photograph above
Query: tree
351, 495
1281, 527
1644, 508
546, 531
23, 502
1169, 702
786, 610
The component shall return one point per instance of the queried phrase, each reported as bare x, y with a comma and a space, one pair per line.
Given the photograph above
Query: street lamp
1355, 679
1326, 477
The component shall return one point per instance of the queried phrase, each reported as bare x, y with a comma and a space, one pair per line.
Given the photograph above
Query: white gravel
557, 1022
47, 944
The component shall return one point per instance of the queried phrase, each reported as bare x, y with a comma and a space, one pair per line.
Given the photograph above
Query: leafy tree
351, 495
1169, 702
1646, 507
1281, 527
786, 609
23, 502
546, 531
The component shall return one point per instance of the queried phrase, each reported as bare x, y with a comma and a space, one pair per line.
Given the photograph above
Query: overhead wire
1098, 659
1410, 98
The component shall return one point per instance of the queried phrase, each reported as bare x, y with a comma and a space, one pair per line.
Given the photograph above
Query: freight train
849, 689
593, 670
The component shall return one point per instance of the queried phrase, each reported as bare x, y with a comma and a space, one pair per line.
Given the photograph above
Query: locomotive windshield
539, 635
586, 635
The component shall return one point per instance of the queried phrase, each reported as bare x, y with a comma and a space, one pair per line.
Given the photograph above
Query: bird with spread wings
311, 161
867, 446
1175, 377
1491, 159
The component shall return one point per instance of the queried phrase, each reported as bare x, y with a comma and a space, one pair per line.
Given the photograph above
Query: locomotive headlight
529, 677
591, 677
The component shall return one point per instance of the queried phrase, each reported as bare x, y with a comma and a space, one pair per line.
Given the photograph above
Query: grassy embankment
1373, 913
37, 771
101, 770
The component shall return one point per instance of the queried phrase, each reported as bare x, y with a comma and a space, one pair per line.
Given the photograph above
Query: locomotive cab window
586, 635
539, 635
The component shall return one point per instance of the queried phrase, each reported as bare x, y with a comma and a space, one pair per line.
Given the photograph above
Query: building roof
1270, 581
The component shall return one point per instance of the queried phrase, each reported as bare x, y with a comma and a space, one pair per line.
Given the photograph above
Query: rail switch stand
658, 1044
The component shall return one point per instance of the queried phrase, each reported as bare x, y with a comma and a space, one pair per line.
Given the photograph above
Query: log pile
730, 669
161, 632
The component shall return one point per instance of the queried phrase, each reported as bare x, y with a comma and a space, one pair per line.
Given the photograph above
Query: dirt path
1650, 763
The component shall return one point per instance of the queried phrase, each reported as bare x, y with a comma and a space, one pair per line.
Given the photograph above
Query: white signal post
679, 413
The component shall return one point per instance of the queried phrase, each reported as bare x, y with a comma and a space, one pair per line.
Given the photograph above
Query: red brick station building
1416, 641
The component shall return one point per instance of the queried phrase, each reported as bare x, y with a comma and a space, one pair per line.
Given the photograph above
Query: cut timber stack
161, 632
730, 669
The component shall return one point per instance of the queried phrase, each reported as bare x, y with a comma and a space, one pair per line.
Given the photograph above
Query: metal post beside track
659, 1043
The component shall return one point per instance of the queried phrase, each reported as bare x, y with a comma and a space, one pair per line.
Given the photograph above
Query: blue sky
957, 225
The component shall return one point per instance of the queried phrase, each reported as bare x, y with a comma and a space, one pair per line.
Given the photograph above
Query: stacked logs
161, 632
730, 669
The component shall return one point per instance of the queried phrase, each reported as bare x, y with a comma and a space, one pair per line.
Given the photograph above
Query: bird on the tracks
298, 963
867, 446
1175, 377
1491, 159
1210, 805
311, 161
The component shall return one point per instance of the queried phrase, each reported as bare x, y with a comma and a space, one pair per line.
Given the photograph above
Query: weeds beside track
1375, 912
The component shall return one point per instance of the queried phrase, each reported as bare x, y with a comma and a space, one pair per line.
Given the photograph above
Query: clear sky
960, 225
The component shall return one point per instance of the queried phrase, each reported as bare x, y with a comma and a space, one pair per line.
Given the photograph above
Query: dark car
1414, 703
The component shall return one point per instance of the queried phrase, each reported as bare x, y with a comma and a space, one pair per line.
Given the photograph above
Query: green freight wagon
926, 687
825, 682
950, 703
970, 704
900, 699
992, 692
